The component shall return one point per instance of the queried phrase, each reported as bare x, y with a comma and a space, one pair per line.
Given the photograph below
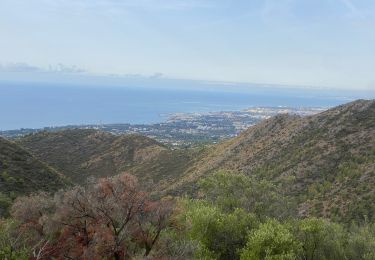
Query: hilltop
21, 174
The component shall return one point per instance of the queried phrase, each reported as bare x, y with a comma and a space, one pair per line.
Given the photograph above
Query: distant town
187, 129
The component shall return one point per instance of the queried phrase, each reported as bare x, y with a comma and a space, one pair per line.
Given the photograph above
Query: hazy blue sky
302, 42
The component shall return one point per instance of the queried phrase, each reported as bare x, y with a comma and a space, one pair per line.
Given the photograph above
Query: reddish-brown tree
112, 218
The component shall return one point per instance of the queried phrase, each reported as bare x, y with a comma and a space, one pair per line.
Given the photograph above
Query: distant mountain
325, 161
80, 154
21, 173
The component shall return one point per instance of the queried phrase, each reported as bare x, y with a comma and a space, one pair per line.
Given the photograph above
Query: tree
361, 243
321, 239
271, 240
109, 219
32, 215
220, 235
151, 222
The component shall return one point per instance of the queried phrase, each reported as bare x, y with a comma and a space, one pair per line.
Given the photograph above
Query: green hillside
80, 154
21, 173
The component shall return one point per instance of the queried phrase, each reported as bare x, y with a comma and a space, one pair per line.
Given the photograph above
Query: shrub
271, 240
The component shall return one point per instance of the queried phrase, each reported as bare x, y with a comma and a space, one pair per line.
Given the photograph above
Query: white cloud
18, 67
24, 67
65, 69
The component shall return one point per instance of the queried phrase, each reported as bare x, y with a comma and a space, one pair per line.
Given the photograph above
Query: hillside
21, 173
326, 161
80, 154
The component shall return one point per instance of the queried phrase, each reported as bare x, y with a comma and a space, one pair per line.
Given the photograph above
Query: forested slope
21, 173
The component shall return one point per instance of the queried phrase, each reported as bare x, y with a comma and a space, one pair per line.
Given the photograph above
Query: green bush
321, 239
270, 242
12, 242
361, 243
220, 235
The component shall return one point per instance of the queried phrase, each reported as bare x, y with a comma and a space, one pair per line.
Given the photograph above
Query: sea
37, 105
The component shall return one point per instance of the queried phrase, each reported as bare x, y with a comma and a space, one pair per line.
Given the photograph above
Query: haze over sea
37, 105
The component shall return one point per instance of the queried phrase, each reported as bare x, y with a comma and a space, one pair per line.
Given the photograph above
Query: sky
321, 43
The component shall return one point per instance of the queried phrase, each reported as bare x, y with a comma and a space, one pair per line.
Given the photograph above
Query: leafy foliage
114, 219
321, 239
361, 243
225, 229
111, 218
271, 240
13, 243
220, 235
